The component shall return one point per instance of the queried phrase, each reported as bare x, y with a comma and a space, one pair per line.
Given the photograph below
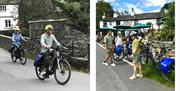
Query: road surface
110, 78
17, 77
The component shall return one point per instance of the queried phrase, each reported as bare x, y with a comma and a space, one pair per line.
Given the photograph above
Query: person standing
136, 57
108, 39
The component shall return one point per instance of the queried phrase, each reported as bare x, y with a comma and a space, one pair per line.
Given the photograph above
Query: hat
118, 32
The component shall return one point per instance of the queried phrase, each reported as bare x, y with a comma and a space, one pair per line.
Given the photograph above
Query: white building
154, 19
8, 16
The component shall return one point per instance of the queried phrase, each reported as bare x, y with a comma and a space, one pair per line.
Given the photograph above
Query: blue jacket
17, 37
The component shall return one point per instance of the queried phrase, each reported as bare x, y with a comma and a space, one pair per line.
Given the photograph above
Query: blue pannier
38, 59
166, 65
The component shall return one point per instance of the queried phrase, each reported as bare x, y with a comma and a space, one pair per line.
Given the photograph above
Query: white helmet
133, 33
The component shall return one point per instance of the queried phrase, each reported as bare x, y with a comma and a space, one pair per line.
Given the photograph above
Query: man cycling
47, 41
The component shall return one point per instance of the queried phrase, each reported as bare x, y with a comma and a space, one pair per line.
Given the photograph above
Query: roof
9, 2
143, 16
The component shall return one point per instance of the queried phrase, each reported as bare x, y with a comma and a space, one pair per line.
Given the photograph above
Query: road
110, 78
17, 77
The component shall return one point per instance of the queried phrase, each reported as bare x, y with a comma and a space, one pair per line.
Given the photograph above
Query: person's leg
111, 57
140, 71
134, 72
106, 59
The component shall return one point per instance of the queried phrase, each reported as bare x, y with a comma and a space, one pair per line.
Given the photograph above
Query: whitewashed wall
11, 14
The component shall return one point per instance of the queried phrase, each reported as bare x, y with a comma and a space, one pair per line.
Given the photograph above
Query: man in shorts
108, 39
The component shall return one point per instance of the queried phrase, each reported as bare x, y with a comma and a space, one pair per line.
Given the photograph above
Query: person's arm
13, 38
55, 41
22, 37
42, 41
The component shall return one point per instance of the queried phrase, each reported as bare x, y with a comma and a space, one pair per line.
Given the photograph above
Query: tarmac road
17, 77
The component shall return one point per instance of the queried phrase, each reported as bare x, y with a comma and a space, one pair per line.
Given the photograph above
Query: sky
140, 6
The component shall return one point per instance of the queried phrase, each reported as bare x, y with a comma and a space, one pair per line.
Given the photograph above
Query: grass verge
151, 73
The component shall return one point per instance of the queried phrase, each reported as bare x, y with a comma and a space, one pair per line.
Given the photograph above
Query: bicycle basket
166, 64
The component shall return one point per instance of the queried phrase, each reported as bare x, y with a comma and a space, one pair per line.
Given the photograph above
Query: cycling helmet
17, 29
133, 33
48, 27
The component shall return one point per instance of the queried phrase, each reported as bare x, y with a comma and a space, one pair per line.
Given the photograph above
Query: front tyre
62, 72
23, 57
13, 56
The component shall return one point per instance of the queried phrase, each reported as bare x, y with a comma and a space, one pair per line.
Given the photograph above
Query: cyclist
17, 39
47, 41
118, 44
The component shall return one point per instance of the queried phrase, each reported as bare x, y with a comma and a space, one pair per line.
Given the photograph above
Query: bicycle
157, 60
19, 53
60, 66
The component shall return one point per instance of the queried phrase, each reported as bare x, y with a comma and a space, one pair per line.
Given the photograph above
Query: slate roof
143, 16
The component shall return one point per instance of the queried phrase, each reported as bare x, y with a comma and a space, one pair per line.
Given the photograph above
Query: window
2, 8
105, 24
117, 22
7, 23
110, 23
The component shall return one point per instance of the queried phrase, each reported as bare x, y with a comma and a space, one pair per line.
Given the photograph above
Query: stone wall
65, 34
74, 39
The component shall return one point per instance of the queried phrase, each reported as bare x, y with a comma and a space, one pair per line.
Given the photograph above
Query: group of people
135, 40
47, 41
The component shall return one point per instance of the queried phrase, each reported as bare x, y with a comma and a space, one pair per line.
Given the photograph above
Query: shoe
139, 75
112, 64
132, 78
105, 63
46, 75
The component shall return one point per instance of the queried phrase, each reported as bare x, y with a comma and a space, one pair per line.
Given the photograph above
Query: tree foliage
101, 9
77, 11
168, 31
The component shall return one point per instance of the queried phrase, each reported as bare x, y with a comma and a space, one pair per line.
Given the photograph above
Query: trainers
46, 75
112, 64
105, 63
139, 75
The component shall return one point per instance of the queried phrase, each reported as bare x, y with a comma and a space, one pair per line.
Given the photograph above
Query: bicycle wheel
40, 73
144, 59
117, 58
23, 56
62, 72
13, 56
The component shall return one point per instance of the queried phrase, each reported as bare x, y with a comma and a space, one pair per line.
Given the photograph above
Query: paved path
110, 78
17, 77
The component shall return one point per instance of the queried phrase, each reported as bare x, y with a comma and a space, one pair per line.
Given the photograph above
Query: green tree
101, 8
77, 11
168, 31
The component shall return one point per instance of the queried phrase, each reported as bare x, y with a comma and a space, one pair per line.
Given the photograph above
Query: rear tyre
39, 73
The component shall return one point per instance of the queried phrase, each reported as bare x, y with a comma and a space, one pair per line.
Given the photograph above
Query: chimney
104, 16
132, 12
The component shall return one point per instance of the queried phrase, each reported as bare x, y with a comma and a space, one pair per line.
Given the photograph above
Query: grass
151, 73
